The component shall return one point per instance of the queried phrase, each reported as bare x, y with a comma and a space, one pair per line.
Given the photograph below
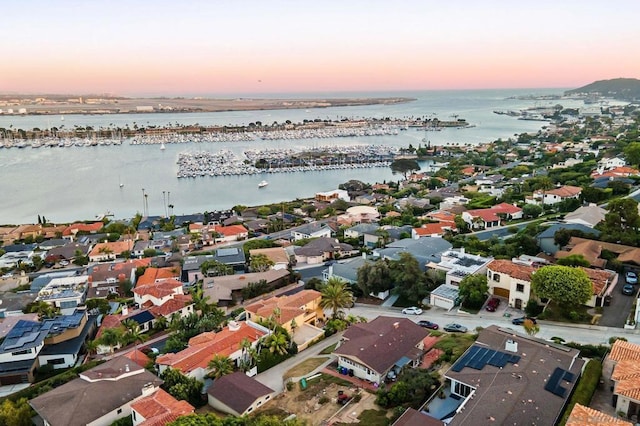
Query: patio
442, 408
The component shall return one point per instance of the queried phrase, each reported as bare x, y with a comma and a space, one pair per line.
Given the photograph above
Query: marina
86, 172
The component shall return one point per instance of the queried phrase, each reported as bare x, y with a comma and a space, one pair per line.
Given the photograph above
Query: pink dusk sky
160, 47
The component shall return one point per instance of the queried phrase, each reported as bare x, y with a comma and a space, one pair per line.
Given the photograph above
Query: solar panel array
477, 357
554, 384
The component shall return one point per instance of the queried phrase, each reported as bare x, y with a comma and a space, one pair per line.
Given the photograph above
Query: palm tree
246, 359
91, 346
160, 323
220, 366
200, 301
133, 332
277, 343
336, 296
111, 337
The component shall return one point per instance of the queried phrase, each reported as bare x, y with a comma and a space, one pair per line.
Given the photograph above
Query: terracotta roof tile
622, 350
565, 191
156, 408
159, 290
138, 357
289, 305
230, 231
152, 275
599, 278
172, 305
514, 270
585, 416
204, 348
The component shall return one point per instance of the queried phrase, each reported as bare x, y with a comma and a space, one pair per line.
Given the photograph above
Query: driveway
615, 315
273, 376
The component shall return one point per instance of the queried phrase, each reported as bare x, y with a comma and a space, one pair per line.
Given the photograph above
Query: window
119, 411
134, 414
24, 352
520, 288
496, 277
56, 361
462, 389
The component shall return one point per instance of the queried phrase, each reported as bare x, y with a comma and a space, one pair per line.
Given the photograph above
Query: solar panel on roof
554, 383
569, 376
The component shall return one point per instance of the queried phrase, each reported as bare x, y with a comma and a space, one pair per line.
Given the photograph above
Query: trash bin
303, 383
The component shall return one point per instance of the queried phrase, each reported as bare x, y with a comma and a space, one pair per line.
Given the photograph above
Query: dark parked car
521, 320
492, 304
628, 289
428, 324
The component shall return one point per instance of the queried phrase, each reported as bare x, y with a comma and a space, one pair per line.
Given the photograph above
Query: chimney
148, 389
234, 326
125, 310
126, 368
511, 346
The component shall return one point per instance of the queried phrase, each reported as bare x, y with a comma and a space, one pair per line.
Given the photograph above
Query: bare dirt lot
318, 405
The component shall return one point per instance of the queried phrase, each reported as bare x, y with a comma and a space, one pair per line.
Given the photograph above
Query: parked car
428, 324
412, 311
455, 328
64, 263
492, 304
7, 275
628, 289
521, 320
631, 277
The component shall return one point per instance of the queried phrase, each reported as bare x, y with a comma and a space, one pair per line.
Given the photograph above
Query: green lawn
454, 345
329, 349
305, 367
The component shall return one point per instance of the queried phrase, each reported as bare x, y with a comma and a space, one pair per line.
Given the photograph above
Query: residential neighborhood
499, 287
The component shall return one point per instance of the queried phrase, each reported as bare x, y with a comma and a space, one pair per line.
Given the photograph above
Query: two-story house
511, 281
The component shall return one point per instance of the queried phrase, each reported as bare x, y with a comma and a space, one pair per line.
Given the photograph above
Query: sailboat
162, 147
121, 184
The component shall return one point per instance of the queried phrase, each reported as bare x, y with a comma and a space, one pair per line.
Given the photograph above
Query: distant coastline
17, 105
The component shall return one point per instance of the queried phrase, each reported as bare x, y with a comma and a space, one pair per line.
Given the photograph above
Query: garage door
502, 292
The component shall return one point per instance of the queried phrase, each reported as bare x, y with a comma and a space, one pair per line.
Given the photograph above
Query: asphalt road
577, 333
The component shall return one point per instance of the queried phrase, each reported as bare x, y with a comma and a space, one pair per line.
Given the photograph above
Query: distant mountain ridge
618, 88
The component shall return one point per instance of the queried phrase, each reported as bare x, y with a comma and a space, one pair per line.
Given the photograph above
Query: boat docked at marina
263, 184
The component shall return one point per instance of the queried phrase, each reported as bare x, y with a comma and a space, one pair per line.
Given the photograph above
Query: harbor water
69, 183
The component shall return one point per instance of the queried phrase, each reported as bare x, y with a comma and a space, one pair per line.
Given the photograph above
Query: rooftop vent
234, 326
511, 346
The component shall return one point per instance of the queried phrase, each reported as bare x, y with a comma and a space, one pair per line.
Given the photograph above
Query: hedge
585, 388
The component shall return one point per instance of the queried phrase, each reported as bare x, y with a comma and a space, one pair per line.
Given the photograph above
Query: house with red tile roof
622, 366
158, 408
302, 308
156, 275
554, 196
158, 292
432, 230
109, 250
194, 360
230, 233
616, 172
586, 416
72, 230
511, 281
491, 217
104, 278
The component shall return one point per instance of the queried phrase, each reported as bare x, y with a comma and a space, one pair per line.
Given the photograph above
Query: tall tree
473, 290
565, 285
374, 277
408, 278
336, 296
404, 166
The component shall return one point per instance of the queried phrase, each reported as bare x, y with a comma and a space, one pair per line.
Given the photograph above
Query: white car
412, 311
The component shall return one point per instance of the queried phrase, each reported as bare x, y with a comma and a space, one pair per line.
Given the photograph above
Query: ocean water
65, 184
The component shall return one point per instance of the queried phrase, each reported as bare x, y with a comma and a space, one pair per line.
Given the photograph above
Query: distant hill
618, 88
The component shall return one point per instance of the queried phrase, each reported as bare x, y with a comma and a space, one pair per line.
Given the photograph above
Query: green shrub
585, 387
323, 399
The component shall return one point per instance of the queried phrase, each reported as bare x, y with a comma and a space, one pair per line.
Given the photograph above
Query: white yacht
263, 184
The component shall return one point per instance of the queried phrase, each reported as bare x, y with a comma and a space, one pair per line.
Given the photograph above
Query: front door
518, 303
